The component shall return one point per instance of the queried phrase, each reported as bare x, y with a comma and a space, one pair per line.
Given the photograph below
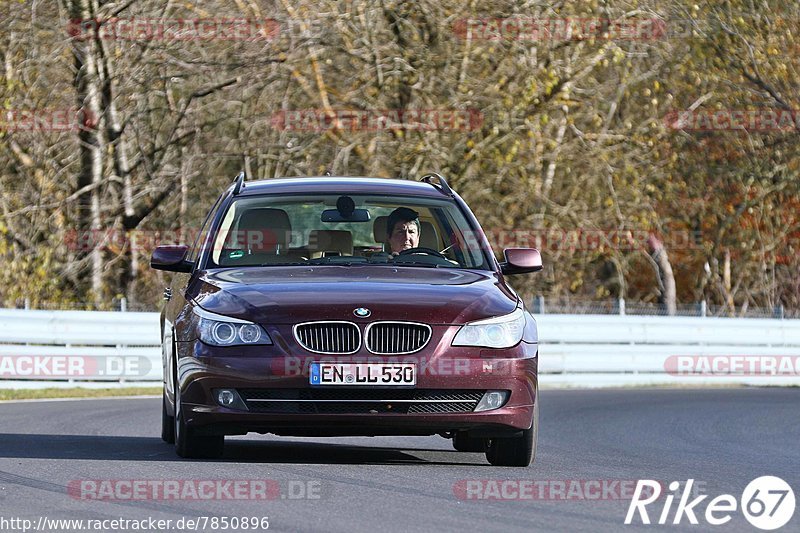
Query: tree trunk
121, 163
92, 143
668, 291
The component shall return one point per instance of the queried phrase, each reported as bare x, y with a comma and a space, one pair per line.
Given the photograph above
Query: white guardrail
72, 348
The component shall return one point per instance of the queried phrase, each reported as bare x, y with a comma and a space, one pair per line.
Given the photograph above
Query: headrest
263, 229
323, 240
379, 229
428, 238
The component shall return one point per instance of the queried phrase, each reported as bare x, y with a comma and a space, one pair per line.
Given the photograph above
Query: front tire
188, 444
516, 451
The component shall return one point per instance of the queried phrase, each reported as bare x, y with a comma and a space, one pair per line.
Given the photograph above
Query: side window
194, 251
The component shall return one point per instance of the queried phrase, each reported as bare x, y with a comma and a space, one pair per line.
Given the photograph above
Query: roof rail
238, 183
441, 183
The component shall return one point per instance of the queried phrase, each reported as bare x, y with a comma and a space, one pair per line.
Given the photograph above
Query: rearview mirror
334, 215
171, 258
521, 261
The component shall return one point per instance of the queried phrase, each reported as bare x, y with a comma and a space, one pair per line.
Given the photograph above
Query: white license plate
386, 374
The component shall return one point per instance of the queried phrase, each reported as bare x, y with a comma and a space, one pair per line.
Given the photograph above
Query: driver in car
402, 230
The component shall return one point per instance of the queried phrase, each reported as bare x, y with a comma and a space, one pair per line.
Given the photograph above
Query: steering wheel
421, 250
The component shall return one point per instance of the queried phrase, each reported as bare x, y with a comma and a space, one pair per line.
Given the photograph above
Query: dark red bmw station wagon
334, 306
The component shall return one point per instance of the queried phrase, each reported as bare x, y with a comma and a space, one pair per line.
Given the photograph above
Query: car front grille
393, 338
329, 337
361, 401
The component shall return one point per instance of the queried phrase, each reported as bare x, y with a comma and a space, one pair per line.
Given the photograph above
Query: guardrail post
621, 306
538, 305
123, 304
778, 312
27, 304
702, 308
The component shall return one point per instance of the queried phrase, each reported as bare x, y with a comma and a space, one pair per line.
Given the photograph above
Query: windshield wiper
294, 263
328, 261
418, 263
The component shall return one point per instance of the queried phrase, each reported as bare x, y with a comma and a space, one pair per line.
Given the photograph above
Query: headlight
501, 332
219, 330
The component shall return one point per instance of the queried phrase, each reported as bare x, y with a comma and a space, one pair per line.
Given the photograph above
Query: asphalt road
721, 438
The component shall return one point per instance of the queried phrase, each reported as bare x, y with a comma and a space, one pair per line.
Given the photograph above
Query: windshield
344, 230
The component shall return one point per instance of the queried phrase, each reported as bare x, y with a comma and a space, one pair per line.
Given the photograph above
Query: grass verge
39, 394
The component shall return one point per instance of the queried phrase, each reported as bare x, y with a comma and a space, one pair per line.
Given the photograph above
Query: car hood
288, 295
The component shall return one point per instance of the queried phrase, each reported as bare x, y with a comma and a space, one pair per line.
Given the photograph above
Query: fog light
230, 398
492, 399
226, 397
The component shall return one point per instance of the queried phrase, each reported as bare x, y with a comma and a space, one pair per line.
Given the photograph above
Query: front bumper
199, 374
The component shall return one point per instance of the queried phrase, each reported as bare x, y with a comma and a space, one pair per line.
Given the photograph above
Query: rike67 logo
767, 503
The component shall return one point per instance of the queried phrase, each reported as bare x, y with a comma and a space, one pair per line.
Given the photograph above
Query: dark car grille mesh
329, 337
387, 338
357, 401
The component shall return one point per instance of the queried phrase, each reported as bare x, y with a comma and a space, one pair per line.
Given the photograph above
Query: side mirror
521, 261
171, 258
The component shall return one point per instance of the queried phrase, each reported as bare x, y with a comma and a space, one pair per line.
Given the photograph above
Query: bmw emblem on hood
362, 312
